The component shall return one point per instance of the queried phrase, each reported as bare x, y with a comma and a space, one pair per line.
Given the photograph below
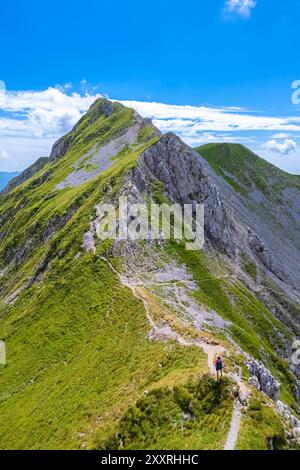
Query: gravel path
234, 426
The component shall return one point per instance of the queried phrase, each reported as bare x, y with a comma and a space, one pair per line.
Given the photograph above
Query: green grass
261, 428
77, 347
158, 193
90, 167
191, 416
253, 327
248, 171
79, 357
249, 266
146, 133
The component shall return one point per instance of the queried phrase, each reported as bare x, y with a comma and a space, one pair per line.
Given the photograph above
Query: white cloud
286, 147
3, 154
281, 136
52, 112
241, 7
42, 113
23, 151
197, 119
289, 163
30, 122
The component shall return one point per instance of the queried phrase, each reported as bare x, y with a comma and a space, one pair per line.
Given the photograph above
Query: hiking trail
211, 350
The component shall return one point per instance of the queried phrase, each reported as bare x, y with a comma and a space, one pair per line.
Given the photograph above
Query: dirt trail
234, 426
130, 286
236, 414
211, 350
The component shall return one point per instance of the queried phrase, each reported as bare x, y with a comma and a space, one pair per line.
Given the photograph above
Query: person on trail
219, 367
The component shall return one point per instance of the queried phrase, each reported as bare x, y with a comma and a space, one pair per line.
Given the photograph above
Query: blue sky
214, 69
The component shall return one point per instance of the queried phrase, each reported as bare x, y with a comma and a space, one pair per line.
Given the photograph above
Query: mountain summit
110, 344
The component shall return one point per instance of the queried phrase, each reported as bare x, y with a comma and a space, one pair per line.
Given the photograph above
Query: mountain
267, 201
110, 344
6, 176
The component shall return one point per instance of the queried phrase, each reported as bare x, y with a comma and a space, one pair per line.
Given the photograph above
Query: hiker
219, 367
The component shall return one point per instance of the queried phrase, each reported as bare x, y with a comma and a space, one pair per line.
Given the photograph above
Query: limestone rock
262, 378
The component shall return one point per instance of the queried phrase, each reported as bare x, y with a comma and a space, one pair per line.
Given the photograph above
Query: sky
208, 70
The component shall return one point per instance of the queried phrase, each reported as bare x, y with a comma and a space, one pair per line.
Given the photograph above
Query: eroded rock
262, 378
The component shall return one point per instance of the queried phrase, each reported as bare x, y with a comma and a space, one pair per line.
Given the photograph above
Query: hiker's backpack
219, 364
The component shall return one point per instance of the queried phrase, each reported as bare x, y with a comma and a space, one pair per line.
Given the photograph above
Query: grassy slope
260, 425
199, 412
244, 170
254, 328
77, 347
77, 357
249, 175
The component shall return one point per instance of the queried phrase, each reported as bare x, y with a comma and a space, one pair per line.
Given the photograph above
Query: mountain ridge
6, 176
82, 346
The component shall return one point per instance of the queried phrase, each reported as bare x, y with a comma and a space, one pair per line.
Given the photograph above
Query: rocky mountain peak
101, 107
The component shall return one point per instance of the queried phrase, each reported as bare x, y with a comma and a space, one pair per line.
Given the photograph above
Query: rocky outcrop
61, 147
284, 411
186, 181
262, 379
101, 107
260, 251
15, 254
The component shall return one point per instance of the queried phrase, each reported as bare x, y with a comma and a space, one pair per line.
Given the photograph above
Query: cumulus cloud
240, 7
51, 112
30, 121
198, 119
42, 113
23, 151
286, 147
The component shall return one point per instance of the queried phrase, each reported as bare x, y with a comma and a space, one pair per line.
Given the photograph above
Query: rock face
265, 199
186, 179
262, 253
284, 411
262, 378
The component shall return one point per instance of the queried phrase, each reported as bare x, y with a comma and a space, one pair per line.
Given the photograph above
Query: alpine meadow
149, 233
110, 344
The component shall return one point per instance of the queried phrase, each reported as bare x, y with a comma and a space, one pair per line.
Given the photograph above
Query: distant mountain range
111, 344
6, 176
